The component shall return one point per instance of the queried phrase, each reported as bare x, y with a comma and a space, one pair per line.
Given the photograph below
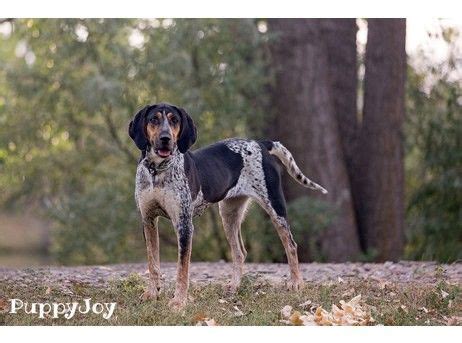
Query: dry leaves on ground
453, 321
4, 306
349, 313
201, 320
237, 312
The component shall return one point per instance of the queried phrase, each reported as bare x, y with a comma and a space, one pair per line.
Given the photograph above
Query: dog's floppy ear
136, 129
188, 133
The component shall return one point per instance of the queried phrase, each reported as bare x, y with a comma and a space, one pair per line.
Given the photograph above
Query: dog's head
162, 128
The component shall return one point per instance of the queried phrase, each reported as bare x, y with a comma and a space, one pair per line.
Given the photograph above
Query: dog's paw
177, 303
231, 288
150, 294
295, 285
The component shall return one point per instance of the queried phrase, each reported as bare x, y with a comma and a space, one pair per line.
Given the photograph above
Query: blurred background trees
68, 89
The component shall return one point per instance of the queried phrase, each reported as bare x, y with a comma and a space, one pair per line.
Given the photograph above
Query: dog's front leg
151, 234
184, 229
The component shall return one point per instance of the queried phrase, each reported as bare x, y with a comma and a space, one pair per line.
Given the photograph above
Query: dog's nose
165, 138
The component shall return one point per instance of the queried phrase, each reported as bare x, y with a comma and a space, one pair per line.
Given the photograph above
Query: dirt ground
205, 272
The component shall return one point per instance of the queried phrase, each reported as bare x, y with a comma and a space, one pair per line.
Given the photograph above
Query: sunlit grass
258, 302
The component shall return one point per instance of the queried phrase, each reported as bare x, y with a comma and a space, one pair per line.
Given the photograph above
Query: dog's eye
174, 120
154, 121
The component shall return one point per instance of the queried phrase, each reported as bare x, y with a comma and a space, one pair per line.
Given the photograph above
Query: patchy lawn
257, 302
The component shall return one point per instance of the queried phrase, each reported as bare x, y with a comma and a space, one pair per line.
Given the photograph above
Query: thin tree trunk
340, 38
305, 122
378, 180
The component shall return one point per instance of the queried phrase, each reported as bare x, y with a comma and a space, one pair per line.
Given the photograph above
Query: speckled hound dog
177, 184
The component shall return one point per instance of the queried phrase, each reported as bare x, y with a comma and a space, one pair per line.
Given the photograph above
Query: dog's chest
161, 194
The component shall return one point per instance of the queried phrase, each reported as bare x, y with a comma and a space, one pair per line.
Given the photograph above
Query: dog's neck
156, 164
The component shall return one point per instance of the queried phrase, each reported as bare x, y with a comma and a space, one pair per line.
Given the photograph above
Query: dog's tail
284, 155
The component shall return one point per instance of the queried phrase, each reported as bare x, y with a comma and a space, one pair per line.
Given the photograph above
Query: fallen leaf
295, 318
210, 322
384, 284
286, 311
305, 304
348, 313
4, 307
404, 308
200, 319
340, 280
48, 290
424, 309
355, 300
349, 293
237, 312
222, 301
444, 294
454, 321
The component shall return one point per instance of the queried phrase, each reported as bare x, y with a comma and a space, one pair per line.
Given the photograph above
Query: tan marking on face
152, 130
174, 128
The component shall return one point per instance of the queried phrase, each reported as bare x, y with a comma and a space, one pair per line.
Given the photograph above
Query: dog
178, 184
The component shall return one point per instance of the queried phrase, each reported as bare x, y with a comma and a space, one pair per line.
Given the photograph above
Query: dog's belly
200, 205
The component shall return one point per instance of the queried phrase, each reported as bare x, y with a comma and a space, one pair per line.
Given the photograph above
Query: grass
260, 303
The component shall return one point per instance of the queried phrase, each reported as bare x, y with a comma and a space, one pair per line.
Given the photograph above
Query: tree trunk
340, 38
378, 180
305, 122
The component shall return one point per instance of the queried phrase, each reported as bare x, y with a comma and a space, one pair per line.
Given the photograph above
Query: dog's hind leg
273, 202
290, 247
232, 212
151, 235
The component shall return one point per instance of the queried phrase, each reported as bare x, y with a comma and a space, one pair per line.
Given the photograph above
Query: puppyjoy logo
67, 310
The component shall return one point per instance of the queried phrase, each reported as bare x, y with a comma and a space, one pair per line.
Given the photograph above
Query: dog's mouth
164, 153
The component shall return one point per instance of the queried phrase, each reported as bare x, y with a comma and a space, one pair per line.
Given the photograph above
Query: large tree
378, 178
358, 156
305, 121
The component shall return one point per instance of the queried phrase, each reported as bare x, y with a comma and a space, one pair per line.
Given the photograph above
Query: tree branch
115, 136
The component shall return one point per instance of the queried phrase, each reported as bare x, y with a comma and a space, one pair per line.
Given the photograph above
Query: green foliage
97, 227
309, 218
434, 162
69, 87
132, 285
